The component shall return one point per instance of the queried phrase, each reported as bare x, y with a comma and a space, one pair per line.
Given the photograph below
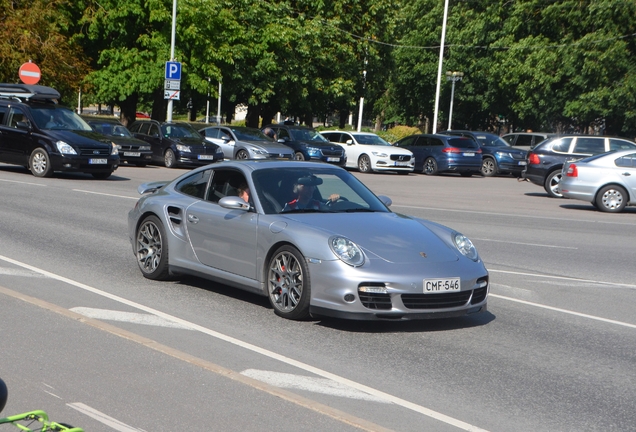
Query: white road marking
131, 317
19, 272
311, 384
21, 182
102, 418
566, 278
267, 353
525, 244
105, 194
565, 311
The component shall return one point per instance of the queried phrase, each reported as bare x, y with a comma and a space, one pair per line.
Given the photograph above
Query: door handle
192, 218
626, 174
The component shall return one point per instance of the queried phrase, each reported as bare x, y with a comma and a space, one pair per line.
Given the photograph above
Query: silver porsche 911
309, 236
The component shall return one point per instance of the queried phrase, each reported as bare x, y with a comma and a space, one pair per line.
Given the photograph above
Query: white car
368, 152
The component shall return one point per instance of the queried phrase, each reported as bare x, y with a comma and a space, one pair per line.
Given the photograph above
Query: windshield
309, 189
307, 135
111, 129
179, 131
249, 134
490, 140
370, 139
60, 118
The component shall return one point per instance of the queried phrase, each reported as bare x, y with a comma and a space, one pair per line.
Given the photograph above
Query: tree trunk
129, 109
343, 116
252, 117
159, 105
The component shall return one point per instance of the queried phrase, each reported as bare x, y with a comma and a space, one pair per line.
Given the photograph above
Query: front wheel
364, 164
40, 164
151, 249
288, 283
488, 167
611, 199
552, 183
169, 159
299, 156
242, 154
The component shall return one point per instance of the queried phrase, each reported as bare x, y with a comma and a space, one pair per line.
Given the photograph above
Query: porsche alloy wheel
242, 154
152, 249
288, 284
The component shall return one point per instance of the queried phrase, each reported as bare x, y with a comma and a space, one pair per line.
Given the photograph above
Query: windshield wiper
302, 211
360, 210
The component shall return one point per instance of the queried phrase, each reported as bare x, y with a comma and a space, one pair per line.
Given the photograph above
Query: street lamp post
453, 77
172, 43
207, 105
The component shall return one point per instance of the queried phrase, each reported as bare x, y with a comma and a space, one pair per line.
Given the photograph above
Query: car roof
28, 92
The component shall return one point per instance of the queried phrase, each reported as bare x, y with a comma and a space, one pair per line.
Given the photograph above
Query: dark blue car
498, 156
442, 153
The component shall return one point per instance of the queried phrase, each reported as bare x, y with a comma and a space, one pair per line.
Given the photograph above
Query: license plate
97, 161
206, 157
523, 163
469, 154
441, 285
136, 154
402, 163
333, 159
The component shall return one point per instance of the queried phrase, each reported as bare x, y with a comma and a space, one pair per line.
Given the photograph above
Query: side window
434, 142
195, 184
591, 146
627, 161
153, 131
619, 144
15, 116
561, 145
524, 140
333, 137
283, 134
225, 182
211, 132
143, 128
224, 134
3, 111
407, 142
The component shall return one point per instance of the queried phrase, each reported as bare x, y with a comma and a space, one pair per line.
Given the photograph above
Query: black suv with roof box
44, 137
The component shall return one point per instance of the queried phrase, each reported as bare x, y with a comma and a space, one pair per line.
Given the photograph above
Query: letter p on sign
173, 70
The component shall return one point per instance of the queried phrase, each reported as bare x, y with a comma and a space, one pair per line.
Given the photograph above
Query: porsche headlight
347, 251
183, 148
65, 148
465, 246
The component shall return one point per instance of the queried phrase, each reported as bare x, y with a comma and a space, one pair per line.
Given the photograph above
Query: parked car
131, 150
526, 140
44, 137
347, 257
607, 180
177, 143
498, 157
368, 152
308, 144
246, 143
443, 153
545, 161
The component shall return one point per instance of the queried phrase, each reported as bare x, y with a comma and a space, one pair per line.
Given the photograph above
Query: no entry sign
29, 73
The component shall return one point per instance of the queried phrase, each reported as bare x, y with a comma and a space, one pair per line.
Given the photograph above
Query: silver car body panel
233, 247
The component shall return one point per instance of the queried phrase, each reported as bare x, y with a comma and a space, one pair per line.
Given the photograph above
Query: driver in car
304, 188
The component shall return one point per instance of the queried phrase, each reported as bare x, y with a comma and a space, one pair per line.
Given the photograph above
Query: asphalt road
85, 337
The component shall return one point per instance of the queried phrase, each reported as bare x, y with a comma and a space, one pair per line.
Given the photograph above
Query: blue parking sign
173, 70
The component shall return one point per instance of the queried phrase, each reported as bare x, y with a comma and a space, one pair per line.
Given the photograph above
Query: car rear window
463, 143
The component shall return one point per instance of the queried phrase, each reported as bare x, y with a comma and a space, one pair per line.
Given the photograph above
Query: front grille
375, 300
479, 295
398, 157
518, 156
128, 147
95, 152
436, 301
332, 152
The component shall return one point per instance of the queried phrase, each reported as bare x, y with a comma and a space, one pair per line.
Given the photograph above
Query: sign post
29, 73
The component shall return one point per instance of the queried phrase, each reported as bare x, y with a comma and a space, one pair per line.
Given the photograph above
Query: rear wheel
551, 185
40, 164
169, 159
611, 199
488, 167
364, 164
151, 249
430, 166
242, 154
288, 283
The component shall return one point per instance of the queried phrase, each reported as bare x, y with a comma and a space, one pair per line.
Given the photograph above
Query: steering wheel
341, 198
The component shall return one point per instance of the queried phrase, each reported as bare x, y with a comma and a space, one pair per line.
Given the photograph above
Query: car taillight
478, 151
572, 171
451, 150
533, 159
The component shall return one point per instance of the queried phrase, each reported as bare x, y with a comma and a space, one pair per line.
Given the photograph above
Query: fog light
373, 289
67, 165
349, 298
